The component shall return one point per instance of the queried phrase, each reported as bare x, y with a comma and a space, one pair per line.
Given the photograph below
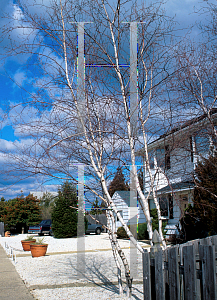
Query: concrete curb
11, 285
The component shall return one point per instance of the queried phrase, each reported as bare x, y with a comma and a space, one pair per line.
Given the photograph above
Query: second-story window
160, 156
202, 142
151, 159
167, 158
163, 157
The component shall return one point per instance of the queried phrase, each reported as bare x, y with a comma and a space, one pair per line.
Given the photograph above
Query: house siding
122, 200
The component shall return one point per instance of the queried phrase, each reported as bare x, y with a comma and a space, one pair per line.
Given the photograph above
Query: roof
125, 195
186, 124
187, 185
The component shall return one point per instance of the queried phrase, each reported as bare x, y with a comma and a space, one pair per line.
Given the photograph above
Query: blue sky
13, 76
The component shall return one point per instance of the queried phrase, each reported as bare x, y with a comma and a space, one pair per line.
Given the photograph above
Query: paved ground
56, 275
11, 285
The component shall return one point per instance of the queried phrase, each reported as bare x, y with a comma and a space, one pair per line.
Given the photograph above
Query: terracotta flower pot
26, 244
38, 250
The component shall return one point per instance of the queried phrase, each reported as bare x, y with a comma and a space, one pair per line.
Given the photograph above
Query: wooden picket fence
181, 272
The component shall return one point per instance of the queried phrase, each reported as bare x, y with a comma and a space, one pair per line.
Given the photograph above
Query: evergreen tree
118, 183
94, 208
2, 209
103, 205
96, 205
200, 220
65, 218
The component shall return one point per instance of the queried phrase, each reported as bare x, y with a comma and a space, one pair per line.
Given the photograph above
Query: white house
173, 158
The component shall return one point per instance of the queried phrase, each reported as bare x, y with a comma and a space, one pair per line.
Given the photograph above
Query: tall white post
133, 79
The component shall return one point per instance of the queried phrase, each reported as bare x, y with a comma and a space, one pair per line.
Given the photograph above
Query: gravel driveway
55, 275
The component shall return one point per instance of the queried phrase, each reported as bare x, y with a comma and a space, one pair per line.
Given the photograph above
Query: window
167, 158
202, 142
160, 156
170, 207
163, 157
163, 206
151, 159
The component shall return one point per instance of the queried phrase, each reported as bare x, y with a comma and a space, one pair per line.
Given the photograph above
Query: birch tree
96, 129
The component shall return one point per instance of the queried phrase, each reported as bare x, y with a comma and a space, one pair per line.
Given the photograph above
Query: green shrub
200, 218
121, 233
155, 224
142, 231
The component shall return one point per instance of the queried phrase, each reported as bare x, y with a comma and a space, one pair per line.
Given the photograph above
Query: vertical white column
133, 210
81, 119
80, 77
133, 78
81, 225
133, 213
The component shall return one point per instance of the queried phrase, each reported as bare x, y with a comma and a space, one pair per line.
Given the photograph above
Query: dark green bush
142, 231
200, 219
121, 233
20, 212
155, 224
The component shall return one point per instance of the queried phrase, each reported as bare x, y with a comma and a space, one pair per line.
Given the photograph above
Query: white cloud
19, 78
7, 145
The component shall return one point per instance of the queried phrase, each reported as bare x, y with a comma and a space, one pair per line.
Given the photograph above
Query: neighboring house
173, 158
122, 202
39, 195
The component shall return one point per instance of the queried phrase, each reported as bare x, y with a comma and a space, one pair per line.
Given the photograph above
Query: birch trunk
115, 253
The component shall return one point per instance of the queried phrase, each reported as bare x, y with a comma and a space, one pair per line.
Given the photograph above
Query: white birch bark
115, 253
143, 200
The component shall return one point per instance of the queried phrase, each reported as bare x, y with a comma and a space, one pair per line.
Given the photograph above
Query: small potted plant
7, 234
39, 248
26, 243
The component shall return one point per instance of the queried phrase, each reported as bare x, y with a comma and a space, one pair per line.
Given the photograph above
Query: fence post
207, 241
207, 257
146, 275
190, 278
181, 277
159, 275
214, 242
173, 270
157, 282
166, 275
